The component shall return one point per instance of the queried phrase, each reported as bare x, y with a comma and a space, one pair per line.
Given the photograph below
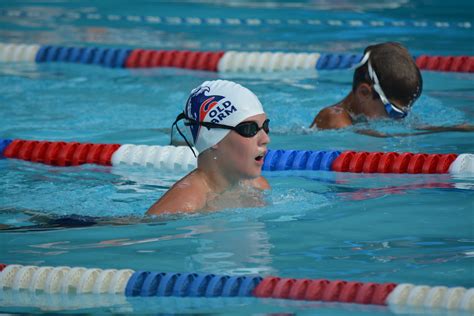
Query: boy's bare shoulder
186, 195
332, 117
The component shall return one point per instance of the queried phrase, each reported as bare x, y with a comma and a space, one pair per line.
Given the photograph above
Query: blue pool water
378, 228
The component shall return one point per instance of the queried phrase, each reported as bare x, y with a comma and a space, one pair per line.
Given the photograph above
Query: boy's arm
332, 117
424, 130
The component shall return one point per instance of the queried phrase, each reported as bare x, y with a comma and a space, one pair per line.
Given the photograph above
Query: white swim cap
221, 102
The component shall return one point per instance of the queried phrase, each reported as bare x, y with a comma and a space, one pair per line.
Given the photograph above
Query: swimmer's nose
263, 138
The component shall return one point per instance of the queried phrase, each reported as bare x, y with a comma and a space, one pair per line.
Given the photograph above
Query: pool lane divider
130, 283
181, 159
174, 21
215, 61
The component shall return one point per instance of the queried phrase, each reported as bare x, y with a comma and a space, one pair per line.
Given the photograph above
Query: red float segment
349, 292
400, 165
2, 266
61, 153
265, 288
446, 63
371, 162
283, 287
141, 58
12, 149
342, 162
386, 162
416, 163
66, 153
298, 290
444, 162
357, 162
365, 293
324, 290
315, 290
381, 293
430, 164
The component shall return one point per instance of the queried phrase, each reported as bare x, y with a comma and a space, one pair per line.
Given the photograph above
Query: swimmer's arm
260, 183
332, 117
424, 130
178, 199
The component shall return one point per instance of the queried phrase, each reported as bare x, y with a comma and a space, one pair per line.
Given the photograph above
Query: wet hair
396, 69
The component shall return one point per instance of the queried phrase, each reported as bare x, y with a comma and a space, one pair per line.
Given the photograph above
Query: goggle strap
362, 61
179, 118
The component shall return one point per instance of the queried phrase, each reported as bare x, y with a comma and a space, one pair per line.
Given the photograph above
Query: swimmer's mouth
260, 157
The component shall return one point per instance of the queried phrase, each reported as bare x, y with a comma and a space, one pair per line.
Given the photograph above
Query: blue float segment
76, 54
87, 55
337, 61
199, 286
151, 283
216, 285
328, 159
248, 285
278, 160
135, 283
232, 286
183, 283
52, 53
3, 145
167, 284
41, 54
301, 157
121, 58
98, 56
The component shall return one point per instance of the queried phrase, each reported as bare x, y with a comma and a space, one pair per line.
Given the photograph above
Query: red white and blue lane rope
216, 61
181, 159
79, 280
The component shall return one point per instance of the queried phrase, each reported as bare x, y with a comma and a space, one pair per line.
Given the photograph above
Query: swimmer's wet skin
230, 131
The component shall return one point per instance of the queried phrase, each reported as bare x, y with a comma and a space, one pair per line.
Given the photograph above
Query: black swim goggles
246, 129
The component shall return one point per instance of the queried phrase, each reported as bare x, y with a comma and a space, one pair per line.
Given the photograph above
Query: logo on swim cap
198, 105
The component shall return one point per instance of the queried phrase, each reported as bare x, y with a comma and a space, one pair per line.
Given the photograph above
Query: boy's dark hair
396, 70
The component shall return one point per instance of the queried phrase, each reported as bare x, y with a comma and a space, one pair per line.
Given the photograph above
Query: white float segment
55, 279
38, 281
102, 283
71, 280
165, 158
464, 164
23, 277
87, 281
408, 295
434, 297
119, 281
266, 61
18, 52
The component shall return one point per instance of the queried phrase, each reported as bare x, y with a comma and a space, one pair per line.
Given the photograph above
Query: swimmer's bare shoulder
259, 183
332, 117
186, 195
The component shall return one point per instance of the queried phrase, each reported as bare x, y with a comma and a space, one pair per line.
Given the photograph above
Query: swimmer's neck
216, 180
350, 104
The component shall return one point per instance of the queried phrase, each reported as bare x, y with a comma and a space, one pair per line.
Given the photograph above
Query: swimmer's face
372, 106
243, 156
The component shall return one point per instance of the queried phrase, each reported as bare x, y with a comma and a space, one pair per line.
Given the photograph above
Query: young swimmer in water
386, 84
230, 131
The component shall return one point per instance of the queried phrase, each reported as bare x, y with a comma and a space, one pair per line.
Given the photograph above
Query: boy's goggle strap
391, 109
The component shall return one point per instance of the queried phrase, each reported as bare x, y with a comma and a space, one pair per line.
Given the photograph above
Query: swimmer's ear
364, 90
